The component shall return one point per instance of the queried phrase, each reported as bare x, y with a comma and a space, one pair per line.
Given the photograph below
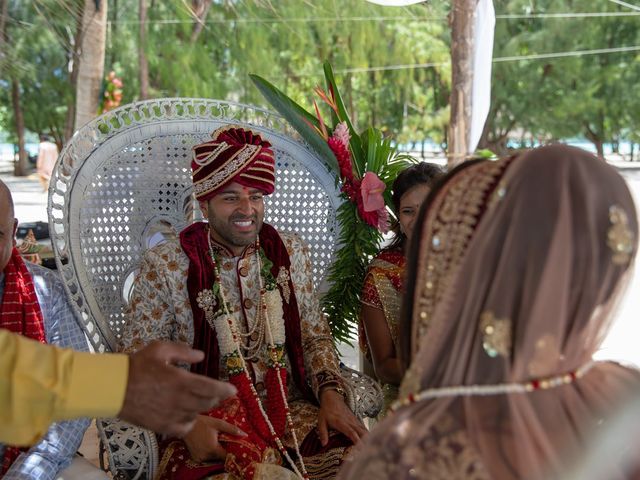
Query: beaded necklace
499, 389
269, 316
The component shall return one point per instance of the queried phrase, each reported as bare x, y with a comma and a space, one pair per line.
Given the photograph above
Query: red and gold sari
382, 290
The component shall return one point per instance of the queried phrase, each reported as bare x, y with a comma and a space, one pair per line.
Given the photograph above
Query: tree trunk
142, 55
4, 13
74, 62
594, 135
112, 32
200, 10
599, 147
462, 33
21, 166
597, 142
91, 68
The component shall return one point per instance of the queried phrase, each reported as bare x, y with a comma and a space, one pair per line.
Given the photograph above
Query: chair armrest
364, 395
132, 452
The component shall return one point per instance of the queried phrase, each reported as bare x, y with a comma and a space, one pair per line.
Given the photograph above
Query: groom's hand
203, 439
335, 414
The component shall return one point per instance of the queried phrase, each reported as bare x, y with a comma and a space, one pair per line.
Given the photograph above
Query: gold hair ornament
619, 236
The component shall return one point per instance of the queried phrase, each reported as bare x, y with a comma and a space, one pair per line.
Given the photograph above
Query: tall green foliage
40, 37
588, 96
592, 96
288, 43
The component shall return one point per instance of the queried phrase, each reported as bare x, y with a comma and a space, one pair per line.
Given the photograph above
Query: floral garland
365, 164
269, 422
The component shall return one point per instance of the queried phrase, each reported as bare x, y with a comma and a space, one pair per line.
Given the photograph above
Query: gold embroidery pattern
213, 154
176, 324
496, 335
451, 220
207, 301
619, 236
239, 160
391, 301
283, 281
450, 224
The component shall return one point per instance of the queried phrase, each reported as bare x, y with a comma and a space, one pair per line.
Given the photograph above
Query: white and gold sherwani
160, 309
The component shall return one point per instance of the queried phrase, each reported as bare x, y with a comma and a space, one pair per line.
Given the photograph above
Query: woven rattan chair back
123, 182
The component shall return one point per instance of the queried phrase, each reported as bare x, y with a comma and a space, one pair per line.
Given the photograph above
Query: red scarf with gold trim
19, 313
194, 243
243, 410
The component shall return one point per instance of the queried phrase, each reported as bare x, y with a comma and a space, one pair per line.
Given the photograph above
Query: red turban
234, 155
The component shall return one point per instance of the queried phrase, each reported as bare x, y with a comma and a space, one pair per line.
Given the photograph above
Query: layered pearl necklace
269, 325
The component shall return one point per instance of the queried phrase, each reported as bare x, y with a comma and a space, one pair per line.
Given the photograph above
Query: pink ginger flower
370, 218
341, 133
372, 189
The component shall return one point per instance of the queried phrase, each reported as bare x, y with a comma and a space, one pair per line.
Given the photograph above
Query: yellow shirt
40, 384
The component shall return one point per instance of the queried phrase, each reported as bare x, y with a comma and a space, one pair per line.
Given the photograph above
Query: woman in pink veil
515, 269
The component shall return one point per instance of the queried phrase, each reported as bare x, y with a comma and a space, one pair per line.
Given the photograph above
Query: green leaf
294, 114
355, 142
372, 147
484, 153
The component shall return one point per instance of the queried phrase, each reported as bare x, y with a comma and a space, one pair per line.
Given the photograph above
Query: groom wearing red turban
249, 303
234, 154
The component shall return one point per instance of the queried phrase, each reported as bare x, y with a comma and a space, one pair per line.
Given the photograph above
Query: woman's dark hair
419, 174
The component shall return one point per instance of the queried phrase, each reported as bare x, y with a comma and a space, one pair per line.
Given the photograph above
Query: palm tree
91, 60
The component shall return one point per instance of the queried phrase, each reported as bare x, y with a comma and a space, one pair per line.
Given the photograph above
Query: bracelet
337, 388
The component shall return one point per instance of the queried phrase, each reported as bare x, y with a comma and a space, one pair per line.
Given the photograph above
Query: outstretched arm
40, 384
56, 450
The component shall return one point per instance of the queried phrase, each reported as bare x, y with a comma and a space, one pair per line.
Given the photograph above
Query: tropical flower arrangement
365, 165
112, 96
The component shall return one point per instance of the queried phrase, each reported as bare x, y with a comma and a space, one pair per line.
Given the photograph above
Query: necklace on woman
269, 422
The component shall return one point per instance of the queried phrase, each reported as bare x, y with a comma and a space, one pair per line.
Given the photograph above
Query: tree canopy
392, 64
587, 92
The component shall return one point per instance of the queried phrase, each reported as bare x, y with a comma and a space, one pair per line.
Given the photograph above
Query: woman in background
382, 290
516, 268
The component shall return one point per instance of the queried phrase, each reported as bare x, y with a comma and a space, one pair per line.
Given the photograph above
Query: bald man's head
8, 225
6, 199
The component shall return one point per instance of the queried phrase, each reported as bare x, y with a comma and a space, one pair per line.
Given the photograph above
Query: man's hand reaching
165, 398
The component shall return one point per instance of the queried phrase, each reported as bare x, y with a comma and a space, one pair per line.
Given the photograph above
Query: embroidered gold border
451, 221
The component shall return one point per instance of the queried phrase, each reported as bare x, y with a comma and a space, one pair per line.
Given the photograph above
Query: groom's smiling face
235, 216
